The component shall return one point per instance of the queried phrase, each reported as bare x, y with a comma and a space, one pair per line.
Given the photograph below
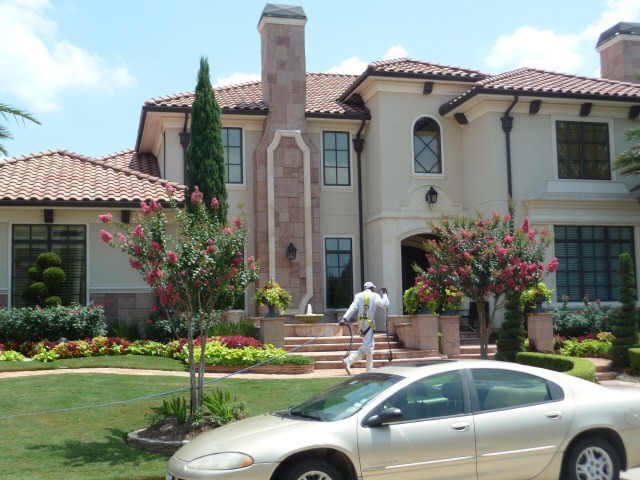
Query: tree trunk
192, 364
485, 329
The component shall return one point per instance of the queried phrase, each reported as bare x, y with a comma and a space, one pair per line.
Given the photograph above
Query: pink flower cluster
106, 218
148, 210
196, 196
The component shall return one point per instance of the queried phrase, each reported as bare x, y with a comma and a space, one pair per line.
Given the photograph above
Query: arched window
427, 151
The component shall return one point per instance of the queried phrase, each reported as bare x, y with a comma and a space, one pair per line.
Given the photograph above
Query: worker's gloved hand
384, 290
343, 321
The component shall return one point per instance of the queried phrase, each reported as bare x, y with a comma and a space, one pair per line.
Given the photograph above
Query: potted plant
411, 301
342, 300
535, 295
272, 295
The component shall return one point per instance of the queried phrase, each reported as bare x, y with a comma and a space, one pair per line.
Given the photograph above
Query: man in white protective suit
364, 304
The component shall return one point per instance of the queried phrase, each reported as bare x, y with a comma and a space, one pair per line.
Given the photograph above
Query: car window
345, 398
501, 389
432, 397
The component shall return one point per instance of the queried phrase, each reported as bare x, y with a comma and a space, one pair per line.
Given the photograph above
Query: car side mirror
390, 415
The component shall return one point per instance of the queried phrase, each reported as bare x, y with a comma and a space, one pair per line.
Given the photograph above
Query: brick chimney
286, 191
619, 49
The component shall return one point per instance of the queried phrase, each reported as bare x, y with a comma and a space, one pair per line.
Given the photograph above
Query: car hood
269, 438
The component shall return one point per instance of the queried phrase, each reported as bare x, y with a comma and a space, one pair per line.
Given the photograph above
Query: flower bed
585, 346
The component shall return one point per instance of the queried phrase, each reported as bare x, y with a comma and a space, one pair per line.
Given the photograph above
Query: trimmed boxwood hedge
577, 367
634, 358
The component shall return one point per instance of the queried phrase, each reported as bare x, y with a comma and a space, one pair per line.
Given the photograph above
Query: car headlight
221, 461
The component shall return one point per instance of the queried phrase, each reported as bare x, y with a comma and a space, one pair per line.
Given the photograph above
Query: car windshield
343, 399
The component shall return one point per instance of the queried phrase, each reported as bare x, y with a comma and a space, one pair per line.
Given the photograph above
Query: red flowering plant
484, 260
200, 272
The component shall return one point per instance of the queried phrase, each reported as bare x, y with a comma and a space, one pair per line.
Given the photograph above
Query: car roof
437, 365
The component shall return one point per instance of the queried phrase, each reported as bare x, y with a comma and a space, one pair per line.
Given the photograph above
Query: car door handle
461, 427
555, 415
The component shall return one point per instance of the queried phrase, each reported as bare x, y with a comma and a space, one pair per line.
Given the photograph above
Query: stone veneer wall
620, 60
284, 90
124, 305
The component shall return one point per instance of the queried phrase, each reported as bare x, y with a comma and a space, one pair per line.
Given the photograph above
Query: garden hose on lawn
186, 388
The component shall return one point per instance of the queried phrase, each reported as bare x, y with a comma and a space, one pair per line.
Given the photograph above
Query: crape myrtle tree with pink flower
200, 272
485, 259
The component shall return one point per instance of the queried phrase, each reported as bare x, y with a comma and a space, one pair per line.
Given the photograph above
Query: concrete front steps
329, 351
604, 369
473, 351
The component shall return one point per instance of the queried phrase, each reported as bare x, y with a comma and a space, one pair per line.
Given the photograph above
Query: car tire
312, 470
593, 459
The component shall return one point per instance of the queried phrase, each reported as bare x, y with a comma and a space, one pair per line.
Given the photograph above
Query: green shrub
574, 347
11, 356
244, 328
411, 301
510, 341
52, 301
176, 406
222, 409
626, 327
53, 276
33, 323
35, 274
576, 367
218, 354
634, 358
580, 323
129, 329
439, 343
46, 278
159, 329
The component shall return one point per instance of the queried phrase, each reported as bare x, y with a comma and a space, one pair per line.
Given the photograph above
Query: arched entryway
412, 251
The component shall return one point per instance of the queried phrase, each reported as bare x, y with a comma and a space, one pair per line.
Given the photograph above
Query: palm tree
628, 162
4, 132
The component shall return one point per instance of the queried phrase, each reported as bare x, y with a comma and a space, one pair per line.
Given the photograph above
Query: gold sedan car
445, 419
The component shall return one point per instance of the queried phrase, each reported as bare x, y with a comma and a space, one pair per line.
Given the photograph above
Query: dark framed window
588, 261
336, 159
67, 241
232, 143
583, 150
338, 264
427, 151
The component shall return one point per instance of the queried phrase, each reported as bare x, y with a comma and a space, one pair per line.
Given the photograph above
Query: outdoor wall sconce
432, 197
291, 252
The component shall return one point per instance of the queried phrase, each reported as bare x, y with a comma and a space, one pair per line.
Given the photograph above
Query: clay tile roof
64, 175
543, 83
408, 65
144, 163
323, 90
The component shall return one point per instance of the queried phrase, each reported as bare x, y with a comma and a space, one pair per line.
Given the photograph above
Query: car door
520, 420
435, 438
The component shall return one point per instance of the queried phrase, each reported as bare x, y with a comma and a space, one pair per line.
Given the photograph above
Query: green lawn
119, 361
90, 443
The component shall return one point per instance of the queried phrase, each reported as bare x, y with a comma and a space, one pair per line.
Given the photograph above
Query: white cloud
546, 49
236, 78
395, 52
533, 47
37, 69
351, 66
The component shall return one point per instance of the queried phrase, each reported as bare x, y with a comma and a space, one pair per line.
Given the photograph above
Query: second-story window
232, 142
583, 150
336, 159
427, 152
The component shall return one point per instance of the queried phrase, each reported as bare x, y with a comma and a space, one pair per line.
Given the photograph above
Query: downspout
507, 126
184, 141
358, 145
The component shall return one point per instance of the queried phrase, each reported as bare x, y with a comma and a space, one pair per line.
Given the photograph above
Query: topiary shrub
634, 358
46, 278
626, 327
576, 367
510, 341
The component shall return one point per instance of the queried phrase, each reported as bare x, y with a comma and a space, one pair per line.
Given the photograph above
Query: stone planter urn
272, 312
340, 312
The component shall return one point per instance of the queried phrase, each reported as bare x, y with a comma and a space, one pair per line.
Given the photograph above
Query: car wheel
593, 459
312, 470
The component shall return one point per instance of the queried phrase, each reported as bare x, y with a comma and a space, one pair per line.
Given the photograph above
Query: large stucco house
340, 166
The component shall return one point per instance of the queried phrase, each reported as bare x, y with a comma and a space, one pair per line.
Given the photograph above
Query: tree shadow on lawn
115, 451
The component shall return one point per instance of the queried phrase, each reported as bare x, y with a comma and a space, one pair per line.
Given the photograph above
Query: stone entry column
272, 331
450, 335
424, 330
540, 328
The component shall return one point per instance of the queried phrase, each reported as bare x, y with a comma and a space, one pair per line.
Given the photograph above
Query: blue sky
85, 68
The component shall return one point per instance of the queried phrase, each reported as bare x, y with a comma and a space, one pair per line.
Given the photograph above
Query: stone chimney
619, 49
284, 71
286, 191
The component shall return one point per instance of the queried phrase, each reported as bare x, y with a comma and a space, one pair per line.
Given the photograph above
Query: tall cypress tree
511, 339
205, 155
626, 328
